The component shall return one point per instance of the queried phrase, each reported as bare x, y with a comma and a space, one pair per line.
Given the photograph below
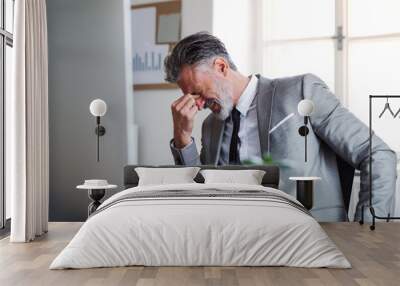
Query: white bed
183, 230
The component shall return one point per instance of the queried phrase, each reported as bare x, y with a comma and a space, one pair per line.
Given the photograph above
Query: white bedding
200, 231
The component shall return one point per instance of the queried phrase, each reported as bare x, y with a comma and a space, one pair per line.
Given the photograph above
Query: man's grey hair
192, 50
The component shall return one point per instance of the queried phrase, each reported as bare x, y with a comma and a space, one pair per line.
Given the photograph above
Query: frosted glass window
374, 69
285, 19
372, 17
301, 57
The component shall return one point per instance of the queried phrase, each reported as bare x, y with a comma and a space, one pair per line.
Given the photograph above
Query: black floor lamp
371, 207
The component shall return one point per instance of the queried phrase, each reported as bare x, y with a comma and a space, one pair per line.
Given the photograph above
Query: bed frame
270, 179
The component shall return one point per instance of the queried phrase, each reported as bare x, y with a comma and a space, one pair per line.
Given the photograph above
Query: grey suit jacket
334, 133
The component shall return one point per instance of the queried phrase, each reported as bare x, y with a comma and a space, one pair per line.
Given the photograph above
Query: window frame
342, 41
6, 38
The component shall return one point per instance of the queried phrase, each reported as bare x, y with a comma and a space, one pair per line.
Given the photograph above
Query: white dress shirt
249, 146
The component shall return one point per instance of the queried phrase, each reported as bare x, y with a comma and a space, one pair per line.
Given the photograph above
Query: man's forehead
190, 80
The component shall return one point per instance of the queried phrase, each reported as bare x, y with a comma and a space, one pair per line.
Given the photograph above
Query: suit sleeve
348, 137
188, 156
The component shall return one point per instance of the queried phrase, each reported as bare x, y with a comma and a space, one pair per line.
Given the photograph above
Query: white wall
131, 127
152, 108
234, 22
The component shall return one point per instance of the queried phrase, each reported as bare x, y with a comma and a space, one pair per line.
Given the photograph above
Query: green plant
266, 159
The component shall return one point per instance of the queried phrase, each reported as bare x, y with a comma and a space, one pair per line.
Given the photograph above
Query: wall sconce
98, 108
305, 108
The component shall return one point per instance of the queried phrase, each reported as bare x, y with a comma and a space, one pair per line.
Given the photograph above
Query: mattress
201, 225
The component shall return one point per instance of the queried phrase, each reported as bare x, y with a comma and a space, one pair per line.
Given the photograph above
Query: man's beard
224, 100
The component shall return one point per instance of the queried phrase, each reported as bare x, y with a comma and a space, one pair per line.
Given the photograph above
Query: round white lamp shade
305, 107
98, 107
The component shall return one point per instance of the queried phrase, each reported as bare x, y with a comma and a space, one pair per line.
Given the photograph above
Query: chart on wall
156, 27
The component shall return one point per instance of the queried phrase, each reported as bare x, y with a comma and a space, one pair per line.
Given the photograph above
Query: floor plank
374, 255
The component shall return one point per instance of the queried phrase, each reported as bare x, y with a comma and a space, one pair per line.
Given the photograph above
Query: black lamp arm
303, 131
100, 131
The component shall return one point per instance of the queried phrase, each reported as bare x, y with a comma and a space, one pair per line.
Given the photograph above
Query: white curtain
27, 120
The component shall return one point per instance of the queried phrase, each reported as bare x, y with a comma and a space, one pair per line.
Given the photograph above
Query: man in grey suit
252, 116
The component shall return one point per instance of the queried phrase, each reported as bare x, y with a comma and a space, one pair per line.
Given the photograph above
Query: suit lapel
265, 94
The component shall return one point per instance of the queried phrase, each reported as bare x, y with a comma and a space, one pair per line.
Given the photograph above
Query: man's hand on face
184, 110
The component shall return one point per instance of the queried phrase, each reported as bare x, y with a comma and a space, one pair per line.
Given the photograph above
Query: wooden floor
375, 257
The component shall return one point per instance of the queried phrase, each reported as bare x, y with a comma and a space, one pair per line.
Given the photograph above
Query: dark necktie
234, 158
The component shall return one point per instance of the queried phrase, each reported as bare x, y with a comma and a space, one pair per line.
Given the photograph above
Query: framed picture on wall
156, 28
